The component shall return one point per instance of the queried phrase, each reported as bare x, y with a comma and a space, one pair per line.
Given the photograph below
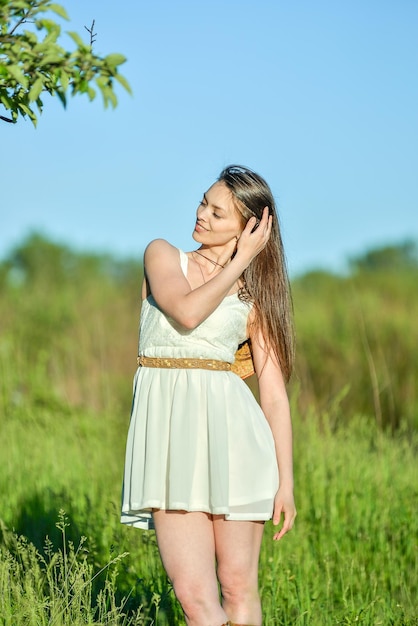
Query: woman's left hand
284, 503
254, 237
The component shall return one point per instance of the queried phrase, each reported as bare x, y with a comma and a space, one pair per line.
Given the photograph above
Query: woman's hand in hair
255, 236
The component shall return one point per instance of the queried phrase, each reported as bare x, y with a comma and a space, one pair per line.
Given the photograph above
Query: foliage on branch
32, 62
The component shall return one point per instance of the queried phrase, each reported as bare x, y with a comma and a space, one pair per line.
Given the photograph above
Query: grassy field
67, 356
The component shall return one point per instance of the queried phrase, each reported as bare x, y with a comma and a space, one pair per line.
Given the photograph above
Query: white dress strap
184, 261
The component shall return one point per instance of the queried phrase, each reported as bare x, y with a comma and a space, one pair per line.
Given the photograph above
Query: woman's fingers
255, 235
259, 229
254, 224
285, 506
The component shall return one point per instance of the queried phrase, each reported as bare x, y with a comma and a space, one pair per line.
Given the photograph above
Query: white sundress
197, 439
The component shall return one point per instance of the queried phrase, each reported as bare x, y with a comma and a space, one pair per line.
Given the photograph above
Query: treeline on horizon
69, 333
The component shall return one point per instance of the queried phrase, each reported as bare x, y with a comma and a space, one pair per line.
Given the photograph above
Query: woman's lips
199, 228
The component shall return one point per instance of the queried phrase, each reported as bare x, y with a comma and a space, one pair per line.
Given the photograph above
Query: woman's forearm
278, 417
193, 308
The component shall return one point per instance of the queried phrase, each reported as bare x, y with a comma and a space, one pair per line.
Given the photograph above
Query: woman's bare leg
187, 547
237, 553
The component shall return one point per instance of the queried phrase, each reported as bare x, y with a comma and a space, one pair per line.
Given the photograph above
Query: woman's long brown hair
266, 280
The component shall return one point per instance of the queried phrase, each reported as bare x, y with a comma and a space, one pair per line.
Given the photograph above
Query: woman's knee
238, 585
193, 597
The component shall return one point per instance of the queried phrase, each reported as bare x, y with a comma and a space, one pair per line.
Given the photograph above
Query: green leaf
59, 10
50, 26
91, 93
27, 111
18, 75
109, 96
102, 81
122, 80
36, 89
50, 59
21, 4
6, 100
52, 37
115, 59
40, 105
113, 99
65, 79
61, 96
77, 39
104, 92
31, 38
30, 67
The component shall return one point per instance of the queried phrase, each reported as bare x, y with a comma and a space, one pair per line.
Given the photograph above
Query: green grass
67, 357
55, 587
350, 559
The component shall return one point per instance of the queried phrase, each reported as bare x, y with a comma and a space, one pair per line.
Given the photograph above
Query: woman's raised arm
171, 290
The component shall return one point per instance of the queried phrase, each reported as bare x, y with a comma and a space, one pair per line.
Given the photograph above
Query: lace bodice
217, 337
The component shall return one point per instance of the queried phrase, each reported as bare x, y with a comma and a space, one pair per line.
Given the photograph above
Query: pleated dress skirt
197, 441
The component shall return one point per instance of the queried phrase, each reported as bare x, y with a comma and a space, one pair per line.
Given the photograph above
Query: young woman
203, 460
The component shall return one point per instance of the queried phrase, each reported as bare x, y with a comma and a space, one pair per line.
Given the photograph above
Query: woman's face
217, 220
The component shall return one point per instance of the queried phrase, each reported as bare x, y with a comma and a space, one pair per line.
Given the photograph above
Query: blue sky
320, 97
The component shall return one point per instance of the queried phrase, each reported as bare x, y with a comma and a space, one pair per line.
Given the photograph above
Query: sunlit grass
350, 559
67, 356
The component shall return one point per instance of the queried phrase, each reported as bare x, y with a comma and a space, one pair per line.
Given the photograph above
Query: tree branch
19, 23
32, 65
92, 34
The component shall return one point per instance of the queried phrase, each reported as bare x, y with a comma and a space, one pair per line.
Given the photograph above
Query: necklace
201, 271
208, 259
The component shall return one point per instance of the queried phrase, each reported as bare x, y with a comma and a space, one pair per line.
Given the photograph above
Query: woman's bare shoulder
159, 245
160, 250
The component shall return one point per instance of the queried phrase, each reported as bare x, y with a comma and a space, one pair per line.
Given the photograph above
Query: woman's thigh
187, 548
237, 548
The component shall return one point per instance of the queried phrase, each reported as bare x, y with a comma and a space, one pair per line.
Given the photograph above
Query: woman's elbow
190, 323
187, 320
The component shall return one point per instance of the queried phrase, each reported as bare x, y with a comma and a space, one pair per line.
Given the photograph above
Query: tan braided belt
168, 363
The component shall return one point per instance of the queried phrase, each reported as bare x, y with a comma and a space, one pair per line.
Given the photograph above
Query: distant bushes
357, 339
68, 332
69, 324
69, 327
